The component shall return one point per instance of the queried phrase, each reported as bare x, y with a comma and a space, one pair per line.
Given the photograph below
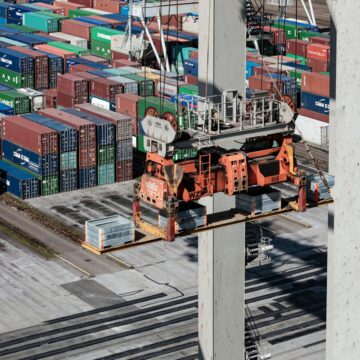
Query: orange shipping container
318, 52
67, 6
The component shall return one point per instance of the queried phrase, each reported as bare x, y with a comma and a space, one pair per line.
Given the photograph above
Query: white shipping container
74, 40
313, 131
100, 103
96, 11
36, 98
191, 24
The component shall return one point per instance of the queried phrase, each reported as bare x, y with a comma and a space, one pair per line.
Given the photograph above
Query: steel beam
343, 286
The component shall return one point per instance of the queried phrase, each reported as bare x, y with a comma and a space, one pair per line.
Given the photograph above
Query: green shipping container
325, 73
146, 87
15, 79
106, 154
41, 22
68, 160
297, 57
74, 13
12, 42
291, 31
306, 34
161, 105
79, 51
106, 174
189, 89
49, 185
184, 154
101, 49
140, 143
51, 14
297, 74
103, 34
20, 102
118, 71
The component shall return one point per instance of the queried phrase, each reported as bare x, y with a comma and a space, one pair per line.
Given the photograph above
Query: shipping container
57, 52
49, 185
68, 180
315, 102
121, 121
34, 137
76, 68
314, 115
312, 131
41, 22
124, 170
68, 141
146, 87
50, 98
95, 22
66, 100
74, 40
16, 79
11, 42
109, 5
37, 99
129, 85
124, 149
43, 165
66, 6
6, 110
15, 61
73, 85
128, 104
19, 102
18, 182
296, 47
86, 136
318, 65
318, 52
105, 88
71, 48
76, 28
161, 106
68, 160
104, 35
106, 174
87, 177
316, 84
41, 67
101, 103
101, 49
105, 130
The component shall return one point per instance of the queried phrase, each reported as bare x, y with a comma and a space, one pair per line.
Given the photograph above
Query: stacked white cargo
258, 200
190, 216
109, 232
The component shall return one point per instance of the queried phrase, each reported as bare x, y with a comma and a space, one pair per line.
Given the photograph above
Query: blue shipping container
320, 104
15, 13
68, 180
18, 182
118, 17
87, 177
5, 109
290, 87
3, 9
42, 165
250, 68
16, 61
191, 67
80, 60
185, 100
105, 130
28, 40
67, 134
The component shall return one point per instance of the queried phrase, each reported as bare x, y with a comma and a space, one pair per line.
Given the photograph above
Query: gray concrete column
343, 285
221, 287
222, 43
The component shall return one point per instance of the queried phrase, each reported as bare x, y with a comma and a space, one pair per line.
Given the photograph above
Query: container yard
174, 175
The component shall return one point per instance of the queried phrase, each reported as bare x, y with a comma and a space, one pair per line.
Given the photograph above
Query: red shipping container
112, 6
259, 82
87, 75
318, 52
76, 28
105, 88
32, 136
123, 122
115, 55
86, 3
124, 62
76, 68
259, 70
296, 47
50, 98
59, 52
55, 9
314, 115
52, 37
127, 104
124, 170
315, 83
317, 65
320, 40
66, 6
190, 79
73, 85
86, 134
279, 37
67, 100
96, 59
41, 68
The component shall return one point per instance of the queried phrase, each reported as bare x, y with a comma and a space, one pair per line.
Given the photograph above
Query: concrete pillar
221, 287
222, 43
343, 285
222, 55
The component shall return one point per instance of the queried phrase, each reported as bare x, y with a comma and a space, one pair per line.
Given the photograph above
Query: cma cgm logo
321, 103
151, 186
6, 61
24, 159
